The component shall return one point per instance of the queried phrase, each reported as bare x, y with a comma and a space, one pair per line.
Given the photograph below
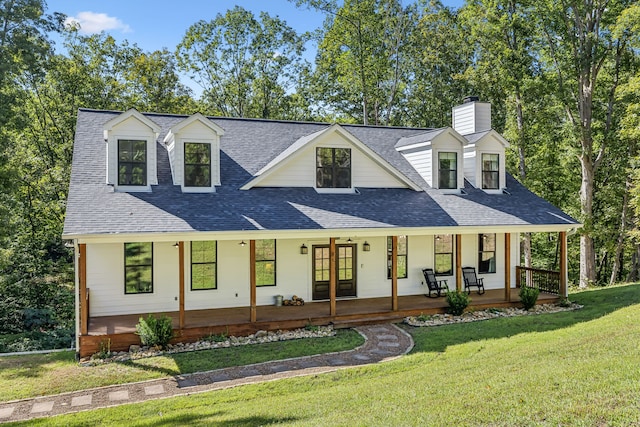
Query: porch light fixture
349, 240
304, 249
243, 244
366, 246
176, 245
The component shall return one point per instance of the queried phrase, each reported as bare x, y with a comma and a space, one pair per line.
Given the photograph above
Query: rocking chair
434, 284
471, 280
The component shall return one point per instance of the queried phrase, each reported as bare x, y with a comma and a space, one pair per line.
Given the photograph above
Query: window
197, 164
487, 253
138, 268
333, 167
132, 162
444, 254
203, 265
266, 262
448, 170
401, 257
490, 172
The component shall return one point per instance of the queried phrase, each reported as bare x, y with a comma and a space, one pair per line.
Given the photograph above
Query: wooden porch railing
546, 280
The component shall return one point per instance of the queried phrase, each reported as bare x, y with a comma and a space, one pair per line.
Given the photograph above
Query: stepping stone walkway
383, 343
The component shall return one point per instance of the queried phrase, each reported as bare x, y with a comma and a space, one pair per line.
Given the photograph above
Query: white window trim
501, 171
459, 171
215, 172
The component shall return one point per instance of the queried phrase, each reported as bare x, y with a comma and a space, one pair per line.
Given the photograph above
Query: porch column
82, 281
332, 276
181, 282
459, 262
394, 273
252, 281
563, 264
507, 266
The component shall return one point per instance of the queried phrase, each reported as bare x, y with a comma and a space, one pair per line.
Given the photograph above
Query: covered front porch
191, 323
120, 330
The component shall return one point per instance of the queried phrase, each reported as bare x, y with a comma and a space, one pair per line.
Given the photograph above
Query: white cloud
93, 23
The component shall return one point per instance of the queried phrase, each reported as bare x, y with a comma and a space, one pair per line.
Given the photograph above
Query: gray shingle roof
93, 207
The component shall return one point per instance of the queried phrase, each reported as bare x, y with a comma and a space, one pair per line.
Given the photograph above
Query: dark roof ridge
257, 119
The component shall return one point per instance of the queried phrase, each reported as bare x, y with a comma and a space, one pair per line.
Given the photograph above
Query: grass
571, 368
37, 375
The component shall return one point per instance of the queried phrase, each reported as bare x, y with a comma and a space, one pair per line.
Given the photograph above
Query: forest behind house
562, 78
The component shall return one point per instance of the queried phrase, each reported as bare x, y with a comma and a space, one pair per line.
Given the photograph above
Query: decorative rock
491, 313
137, 352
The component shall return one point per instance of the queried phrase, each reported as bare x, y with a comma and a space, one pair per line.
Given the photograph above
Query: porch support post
82, 280
507, 266
332, 276
252, 281
181, 282
458, 262
394, 273
563, 264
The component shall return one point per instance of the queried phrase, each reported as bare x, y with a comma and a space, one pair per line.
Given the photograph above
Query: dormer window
447, 170
333, 167
132, 162
197, 164
194, 153
490, 171
131, 152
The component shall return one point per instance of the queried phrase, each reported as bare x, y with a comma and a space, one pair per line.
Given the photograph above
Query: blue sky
155, 24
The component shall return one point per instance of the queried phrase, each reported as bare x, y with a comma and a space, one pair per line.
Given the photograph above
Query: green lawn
571, 368
37, 375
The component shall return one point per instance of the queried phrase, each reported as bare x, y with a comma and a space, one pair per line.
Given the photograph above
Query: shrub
457, 301
422, 317
564, 302
155, 332
529, 296
221, 337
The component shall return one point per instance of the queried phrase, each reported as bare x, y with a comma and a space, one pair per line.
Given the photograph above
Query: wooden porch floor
349, 311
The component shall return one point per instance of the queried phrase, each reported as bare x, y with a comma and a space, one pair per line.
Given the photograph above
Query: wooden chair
434, 284
471, 280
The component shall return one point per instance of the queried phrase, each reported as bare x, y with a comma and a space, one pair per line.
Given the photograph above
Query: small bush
422, 317
564, 302
529, 296
311, 327
155, 332
457, 301
221, 337
104, 349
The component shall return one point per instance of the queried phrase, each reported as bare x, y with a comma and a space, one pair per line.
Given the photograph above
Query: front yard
568, 368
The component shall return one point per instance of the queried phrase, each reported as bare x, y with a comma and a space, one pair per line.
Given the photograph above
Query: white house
210, 220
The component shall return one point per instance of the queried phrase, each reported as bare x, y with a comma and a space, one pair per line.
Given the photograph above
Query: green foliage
311, 327
221, 337
528, 296
155, 332
457, 301
246, 65
104, 349
422, 317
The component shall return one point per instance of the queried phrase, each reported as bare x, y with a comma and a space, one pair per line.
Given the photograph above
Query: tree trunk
635, 266
587, 252
617, 259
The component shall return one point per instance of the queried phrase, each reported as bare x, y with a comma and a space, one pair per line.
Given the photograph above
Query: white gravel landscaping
139, 352
491, 313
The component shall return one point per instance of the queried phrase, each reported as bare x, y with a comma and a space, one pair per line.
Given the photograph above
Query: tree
247, 67
360, 65
582, 51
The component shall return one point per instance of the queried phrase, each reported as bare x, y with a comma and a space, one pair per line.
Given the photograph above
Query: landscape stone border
139, 352
490, 313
